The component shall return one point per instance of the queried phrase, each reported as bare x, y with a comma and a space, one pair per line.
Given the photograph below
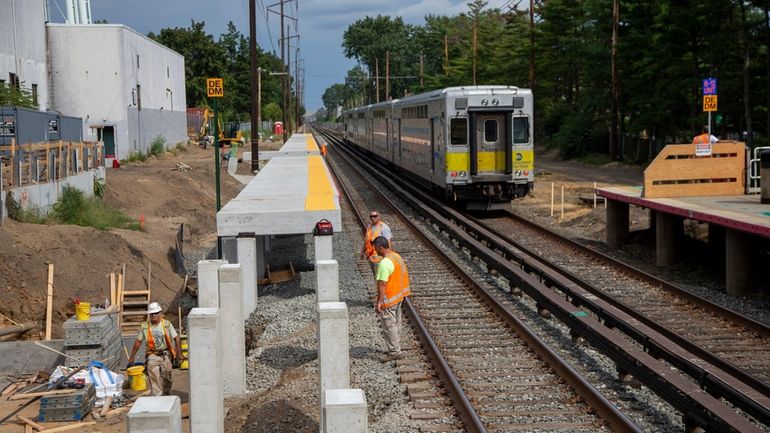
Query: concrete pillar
208, 282
207, 413
232, 331
327, 274
333, 348
247, 258
345, 411
156, 414
262, 242
323, 247
617, 223
738, 262
669, 234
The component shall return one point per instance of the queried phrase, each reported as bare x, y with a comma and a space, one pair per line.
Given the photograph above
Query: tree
272, 112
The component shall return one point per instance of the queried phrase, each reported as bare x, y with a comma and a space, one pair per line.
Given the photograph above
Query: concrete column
323, 247
207, 413
617, 223
232, 331
262, 242
738, 262
247, 258
345, 411
208, 282
669, 233
155, 414
333, 348
327, 276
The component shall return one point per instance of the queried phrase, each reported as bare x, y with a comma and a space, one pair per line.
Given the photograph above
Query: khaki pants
390, 322
159, 372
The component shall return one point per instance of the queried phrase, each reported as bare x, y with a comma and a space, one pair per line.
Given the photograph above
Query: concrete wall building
127, 88
23, 47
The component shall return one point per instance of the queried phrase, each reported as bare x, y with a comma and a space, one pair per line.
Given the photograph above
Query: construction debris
181, 166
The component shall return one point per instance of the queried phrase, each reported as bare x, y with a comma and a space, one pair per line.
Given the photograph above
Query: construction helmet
154, 308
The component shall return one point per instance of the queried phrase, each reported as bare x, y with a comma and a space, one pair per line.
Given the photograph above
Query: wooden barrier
27, 164
677, 172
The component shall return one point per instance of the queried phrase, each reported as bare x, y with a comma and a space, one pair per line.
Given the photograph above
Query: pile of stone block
95, 339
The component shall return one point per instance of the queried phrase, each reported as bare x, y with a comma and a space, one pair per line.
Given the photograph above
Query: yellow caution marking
320, 194
490, 161
311, 144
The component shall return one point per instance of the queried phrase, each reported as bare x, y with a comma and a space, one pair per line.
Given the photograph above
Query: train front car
490, 158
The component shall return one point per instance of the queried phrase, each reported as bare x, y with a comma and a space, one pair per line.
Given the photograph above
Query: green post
216, 149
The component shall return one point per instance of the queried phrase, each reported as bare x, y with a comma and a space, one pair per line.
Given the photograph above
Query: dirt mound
84, 257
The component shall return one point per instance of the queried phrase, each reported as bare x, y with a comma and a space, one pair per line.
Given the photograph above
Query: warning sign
214, 88
709, 102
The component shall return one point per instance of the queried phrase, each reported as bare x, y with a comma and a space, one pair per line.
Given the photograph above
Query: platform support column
669, 232
262, 243
206, 395
617, 223
247, 257
333, 348
323, 247
738, 262
345, 411
327, 281
229, 248
208, 282
233, 331
716, 243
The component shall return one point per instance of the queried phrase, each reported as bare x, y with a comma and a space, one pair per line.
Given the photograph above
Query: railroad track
483, 359
699, 410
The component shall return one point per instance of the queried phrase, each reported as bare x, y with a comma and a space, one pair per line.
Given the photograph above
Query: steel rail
604, 408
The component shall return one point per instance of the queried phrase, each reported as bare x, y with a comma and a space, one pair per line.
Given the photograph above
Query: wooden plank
106, 406
31, 423
40, 394
112, 288
70, 427
49, 303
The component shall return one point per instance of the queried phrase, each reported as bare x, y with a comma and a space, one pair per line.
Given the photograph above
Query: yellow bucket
186, 363
137, 378
83, 310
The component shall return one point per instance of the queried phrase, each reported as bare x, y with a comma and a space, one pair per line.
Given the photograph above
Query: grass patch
158, 146
136, 156
75, 208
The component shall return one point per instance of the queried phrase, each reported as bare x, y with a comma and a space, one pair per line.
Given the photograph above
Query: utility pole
377, 77
422, 83
446, 55
387, 75
532, 44
296, 85
254, 75
283, 79
474, 47
288, 115
614, 138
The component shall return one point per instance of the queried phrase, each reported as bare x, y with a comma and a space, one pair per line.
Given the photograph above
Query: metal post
216, 149
254, 86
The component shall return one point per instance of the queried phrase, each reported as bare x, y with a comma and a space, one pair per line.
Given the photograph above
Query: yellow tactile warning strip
311, 144
320, 194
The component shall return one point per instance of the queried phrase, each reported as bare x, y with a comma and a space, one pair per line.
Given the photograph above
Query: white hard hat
154, 308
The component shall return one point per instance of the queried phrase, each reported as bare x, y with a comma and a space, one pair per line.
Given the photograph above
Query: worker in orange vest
375, 229
323, 149
392, 287
158, 334
704, 137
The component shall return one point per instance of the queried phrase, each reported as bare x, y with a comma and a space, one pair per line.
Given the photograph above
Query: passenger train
473, 144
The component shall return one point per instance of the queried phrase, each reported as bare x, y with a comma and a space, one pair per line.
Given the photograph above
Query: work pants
159, 372
390, 322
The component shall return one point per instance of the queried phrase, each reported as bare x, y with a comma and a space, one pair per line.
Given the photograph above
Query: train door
396, 140
490, 138
432, 145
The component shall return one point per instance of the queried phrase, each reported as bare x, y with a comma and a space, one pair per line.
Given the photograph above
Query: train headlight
463, 174
484, 102
495, 102
518, 172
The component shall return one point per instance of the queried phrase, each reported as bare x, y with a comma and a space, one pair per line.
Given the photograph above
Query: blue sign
709, 86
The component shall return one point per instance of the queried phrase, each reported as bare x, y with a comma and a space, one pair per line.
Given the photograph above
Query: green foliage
136, 156
98, 188
12, 206
16, 96
271, 112
158, 146
75, 208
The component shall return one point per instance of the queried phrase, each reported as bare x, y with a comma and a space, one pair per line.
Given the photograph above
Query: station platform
288, 196
736, 224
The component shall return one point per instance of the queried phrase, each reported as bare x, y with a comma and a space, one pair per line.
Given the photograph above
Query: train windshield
458, 131
520, 129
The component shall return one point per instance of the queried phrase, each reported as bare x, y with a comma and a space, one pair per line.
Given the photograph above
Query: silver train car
473, 144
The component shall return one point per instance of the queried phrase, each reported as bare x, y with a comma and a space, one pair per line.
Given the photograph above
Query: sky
321, 25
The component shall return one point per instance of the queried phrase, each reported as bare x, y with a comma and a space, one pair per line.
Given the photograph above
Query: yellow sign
709, 102
214, 88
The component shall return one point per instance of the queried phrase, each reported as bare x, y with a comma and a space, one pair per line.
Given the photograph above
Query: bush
136, 156
75, 208
158, 145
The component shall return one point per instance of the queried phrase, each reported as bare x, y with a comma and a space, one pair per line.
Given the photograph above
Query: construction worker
392, 287
158, 334
375, 229
705, 137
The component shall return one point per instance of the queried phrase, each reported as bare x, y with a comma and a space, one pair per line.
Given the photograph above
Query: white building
23, 47
127, 88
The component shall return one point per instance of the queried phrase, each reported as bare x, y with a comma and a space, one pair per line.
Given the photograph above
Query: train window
458, 127
490, 130
520, 130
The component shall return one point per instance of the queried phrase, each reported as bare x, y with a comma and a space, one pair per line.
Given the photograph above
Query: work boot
392, 357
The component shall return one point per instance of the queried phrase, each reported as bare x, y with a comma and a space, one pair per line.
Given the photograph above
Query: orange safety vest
371, 234
151, 341
397, 286
702, 139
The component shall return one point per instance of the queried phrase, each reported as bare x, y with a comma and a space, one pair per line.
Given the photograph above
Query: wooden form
44, 162
49, 303
677, 172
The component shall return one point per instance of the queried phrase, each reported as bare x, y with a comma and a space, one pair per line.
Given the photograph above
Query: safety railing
753, 173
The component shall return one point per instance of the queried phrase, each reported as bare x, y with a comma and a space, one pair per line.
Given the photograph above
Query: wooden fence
29, 164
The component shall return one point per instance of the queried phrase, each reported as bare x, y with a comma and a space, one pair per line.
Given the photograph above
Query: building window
13, 80
34, 95
137, 61
139, 97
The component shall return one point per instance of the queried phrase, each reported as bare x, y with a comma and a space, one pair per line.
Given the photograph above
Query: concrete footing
156, 414
232, 331
669, 233
323, 247
207, 413
345, 411
327, 280
247, 258
333, 348
208, 282
617, 223
738, 262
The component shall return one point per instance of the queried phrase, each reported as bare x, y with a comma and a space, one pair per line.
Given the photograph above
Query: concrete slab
327, 273
156, 415
206, 391
333, 348
208, 282
345, 411
232, 331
